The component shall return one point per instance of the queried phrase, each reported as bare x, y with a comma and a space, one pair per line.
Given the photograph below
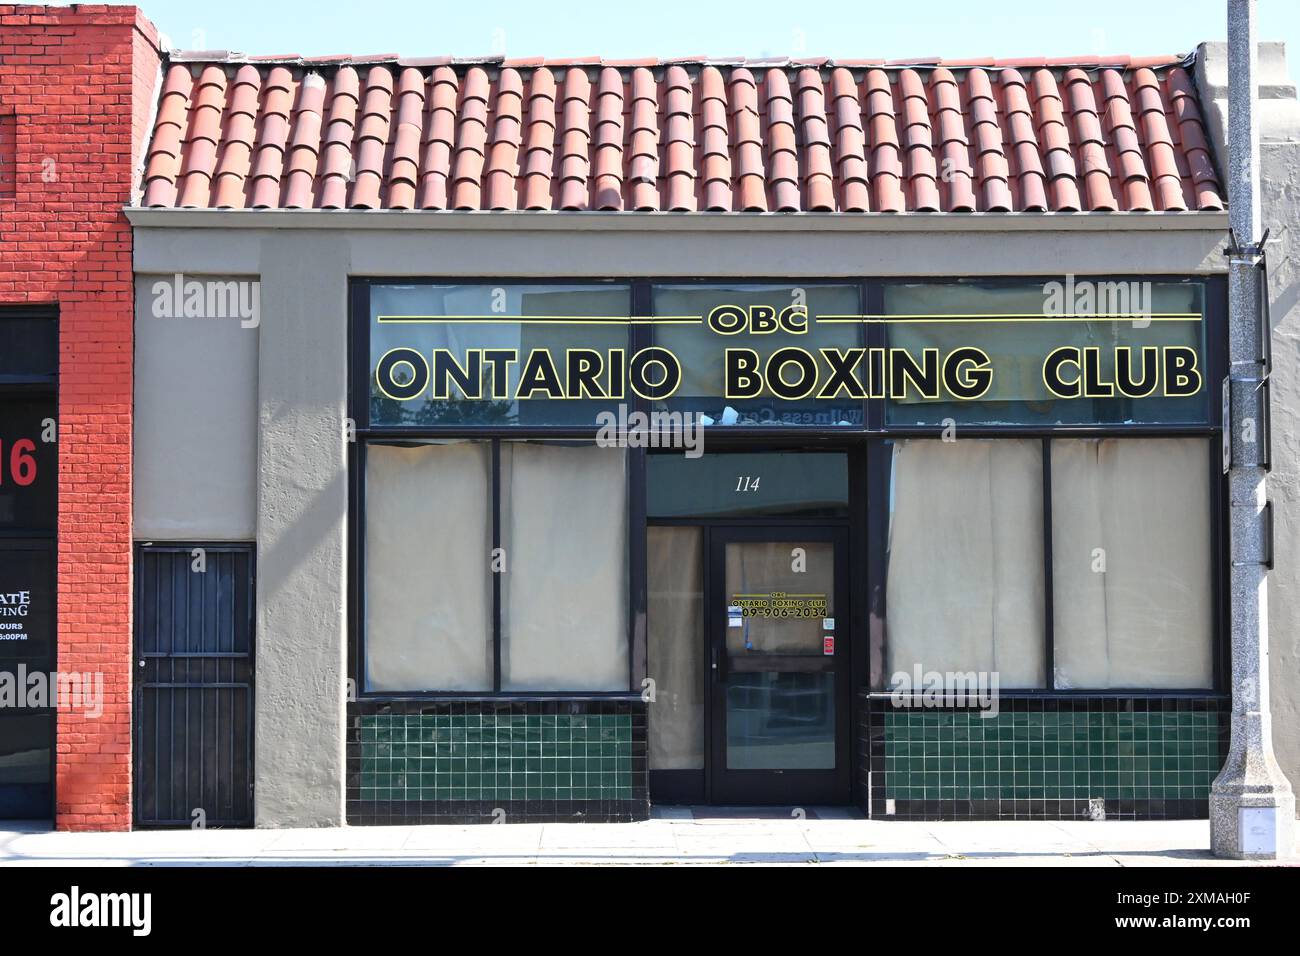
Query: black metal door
193, 712
779, 665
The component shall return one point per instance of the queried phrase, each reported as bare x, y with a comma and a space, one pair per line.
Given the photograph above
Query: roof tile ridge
920, 167
539, 140
337, 165
608, 141
470, 152
885, 163
372, 135
644, 142
987, 136
1055, 143
405, 134
575, 141
852, 179
1090, 142
679, 140
165, 152
814, 134
1026, 175
207, 105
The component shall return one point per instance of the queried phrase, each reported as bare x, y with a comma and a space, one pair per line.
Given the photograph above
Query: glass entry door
778, 666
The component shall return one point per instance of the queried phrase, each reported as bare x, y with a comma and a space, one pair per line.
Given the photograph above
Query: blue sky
662, 28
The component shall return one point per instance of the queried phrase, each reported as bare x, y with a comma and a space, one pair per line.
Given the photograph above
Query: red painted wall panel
79, 82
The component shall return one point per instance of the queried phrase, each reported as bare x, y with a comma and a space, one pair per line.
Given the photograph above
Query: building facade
541, 440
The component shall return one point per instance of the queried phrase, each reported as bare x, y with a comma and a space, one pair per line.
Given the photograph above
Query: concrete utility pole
1252, 808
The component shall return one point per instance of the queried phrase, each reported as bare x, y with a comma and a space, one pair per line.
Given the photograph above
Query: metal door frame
775, 787
138, 686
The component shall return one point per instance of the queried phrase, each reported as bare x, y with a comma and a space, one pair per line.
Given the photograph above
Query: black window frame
1212, 321
495, 534
364, 435
879, 471
863, 287
872, 438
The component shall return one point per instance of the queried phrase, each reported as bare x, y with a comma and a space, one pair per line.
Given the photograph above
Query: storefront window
428, 586
1132, 601
829, 314
1141, 354
502, 565
29, 480
965, 577
1131, 563
564, 616
559, 559
506, 354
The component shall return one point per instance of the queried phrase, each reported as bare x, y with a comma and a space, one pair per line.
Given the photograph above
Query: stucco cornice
689, 223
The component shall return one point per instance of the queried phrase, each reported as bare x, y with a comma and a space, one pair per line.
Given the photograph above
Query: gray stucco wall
1280, 201
195, 421
304, 260
302, 500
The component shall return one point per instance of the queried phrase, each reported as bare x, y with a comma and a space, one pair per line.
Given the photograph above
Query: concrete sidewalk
673, 836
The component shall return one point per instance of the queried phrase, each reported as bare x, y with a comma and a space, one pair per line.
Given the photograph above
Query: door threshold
721, 813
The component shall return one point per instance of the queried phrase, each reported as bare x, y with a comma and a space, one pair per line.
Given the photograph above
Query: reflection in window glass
463, 318
1018, 347
1131, 563
780, 685
780, 720
25, 742
29, 348
965, 565
701, 350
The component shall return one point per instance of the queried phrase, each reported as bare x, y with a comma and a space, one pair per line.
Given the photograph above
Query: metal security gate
193, 713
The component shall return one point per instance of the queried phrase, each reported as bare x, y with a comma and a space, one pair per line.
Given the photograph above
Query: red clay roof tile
696, 133
234, 160
305, 144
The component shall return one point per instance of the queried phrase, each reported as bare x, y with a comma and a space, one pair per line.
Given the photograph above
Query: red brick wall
79, 81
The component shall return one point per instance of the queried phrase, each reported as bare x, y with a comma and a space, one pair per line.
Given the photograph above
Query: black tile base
496, 761
1059, 757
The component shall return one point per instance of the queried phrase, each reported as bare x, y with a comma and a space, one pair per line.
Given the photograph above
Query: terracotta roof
1107, 134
